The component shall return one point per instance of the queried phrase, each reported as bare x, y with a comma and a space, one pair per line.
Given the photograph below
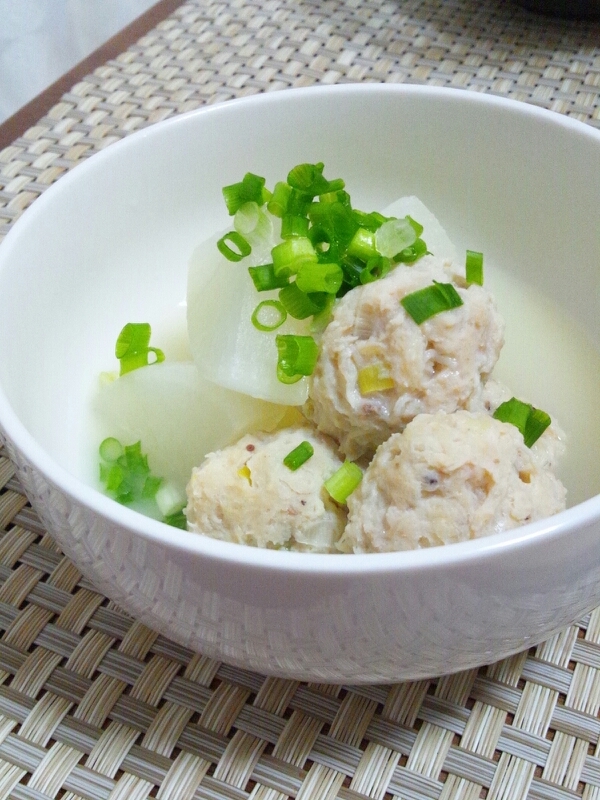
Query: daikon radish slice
178, 416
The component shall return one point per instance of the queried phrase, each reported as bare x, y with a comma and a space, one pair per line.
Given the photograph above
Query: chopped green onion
297, 356
416, 226
264, 278
431, 300
246, 218
297, 304
321, 319
176, 520
474, 267
340, 196
169, 499
238, 241
151, 486
320, 278
134, 337
352, 268
126, 476
135, 460
111, 450
293, 225
532, 422
376, 267
332, 222
370, 221
268, 315
250, 189
132, 347
298, 203
411, 254
394, 236
308, 178
111, 476
299, 455
278, 203
290, 254
363, 245
343, 482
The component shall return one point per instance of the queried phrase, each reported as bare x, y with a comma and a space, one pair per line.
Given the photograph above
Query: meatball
244, 493
438, 365
448, 478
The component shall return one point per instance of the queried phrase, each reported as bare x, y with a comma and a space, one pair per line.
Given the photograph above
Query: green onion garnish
411, 254
308, 178
332, 222
297, 303
425, 303
126, 476
416, 226
151, 486
132, 347
321, 319
370, 221
293, 225
169, 499
176, 520
532, 422
111, 450
135, 460
247, 218
327, 244
250, 189
264, 278
278, 202
394, 236
363, 244
377, 267
297, 356
319, 278
111, 476
343, 482
242, 250
474, 267
290, 254
298, 456
268, 315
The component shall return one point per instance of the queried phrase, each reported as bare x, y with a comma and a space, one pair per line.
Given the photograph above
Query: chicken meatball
245, 494
448, 478
378, 368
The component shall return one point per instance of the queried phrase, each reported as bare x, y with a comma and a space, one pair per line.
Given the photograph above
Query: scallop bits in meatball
245, 494
378, 368
448, 478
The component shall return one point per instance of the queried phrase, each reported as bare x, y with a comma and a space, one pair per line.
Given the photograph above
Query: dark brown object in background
568, 9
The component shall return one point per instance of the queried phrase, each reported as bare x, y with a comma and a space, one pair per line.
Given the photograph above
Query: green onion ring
275, 304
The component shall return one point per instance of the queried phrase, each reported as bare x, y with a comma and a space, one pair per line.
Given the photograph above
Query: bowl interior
111, 242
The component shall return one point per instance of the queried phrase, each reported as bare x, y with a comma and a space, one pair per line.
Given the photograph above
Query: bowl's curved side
356, 627
378, 619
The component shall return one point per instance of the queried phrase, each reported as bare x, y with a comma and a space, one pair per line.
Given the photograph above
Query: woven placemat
94, 705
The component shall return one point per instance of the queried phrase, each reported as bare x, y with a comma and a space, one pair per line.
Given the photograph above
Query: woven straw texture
94, 705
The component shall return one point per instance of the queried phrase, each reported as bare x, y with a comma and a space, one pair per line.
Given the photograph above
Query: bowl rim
459, 554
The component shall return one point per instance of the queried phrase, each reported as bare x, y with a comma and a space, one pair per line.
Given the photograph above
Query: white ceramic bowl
110, 243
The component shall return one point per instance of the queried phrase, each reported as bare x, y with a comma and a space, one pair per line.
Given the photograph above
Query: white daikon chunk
226, 347
178, 416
